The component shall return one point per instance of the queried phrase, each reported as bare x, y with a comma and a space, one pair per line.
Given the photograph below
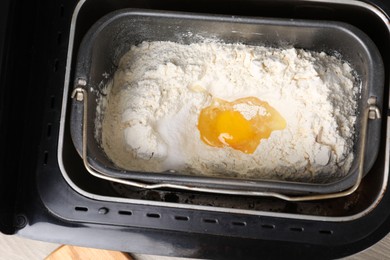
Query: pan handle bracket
78, 91
373, 110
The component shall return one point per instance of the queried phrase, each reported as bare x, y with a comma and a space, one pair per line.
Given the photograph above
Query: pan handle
371, 112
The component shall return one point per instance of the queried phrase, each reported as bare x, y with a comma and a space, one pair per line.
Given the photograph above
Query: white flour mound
151, 111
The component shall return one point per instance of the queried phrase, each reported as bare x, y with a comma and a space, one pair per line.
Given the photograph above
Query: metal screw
81, 82
103, 211
20, 221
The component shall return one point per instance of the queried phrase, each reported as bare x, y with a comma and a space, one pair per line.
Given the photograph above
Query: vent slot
268, 226
48, 132
61, 10
125, 212
59, 38
52, 102
182, 218
297, 229
239, 223
326, 232
83, 209
153, 215
45, 157
210, 221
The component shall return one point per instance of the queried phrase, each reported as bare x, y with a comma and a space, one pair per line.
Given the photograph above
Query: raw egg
240, 124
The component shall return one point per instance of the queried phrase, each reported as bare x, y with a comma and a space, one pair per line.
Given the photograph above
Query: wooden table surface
17, 248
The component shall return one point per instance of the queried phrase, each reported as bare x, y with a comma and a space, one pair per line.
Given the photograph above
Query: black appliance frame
35, 43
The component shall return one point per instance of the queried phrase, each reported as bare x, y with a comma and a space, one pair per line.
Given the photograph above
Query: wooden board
83, 253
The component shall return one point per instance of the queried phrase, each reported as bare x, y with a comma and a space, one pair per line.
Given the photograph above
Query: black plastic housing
35, 193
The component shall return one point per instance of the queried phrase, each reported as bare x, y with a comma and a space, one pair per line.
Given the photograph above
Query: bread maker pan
114, 34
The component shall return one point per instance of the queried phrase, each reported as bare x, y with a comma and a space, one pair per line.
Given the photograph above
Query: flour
250, 111
155, 97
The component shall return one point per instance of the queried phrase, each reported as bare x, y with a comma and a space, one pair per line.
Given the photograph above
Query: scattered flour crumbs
151, 110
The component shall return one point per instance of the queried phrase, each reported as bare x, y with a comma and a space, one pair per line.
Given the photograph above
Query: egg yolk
240, 124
